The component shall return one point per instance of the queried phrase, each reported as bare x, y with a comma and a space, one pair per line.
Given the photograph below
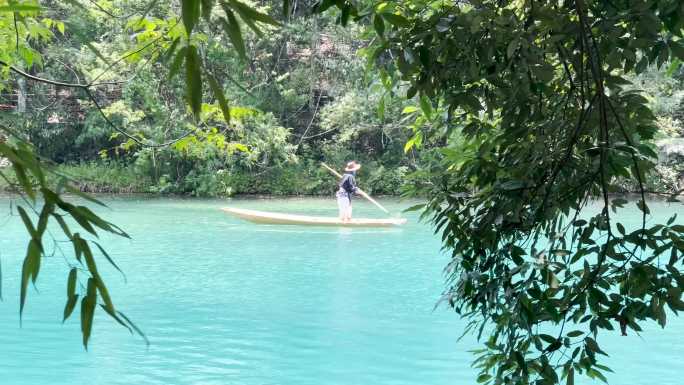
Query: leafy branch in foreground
43, 202
535, 92
26, 25
47, 204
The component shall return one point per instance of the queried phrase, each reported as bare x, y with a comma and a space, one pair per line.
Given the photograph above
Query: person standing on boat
347, 188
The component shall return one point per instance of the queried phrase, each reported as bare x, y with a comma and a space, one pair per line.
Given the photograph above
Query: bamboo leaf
135, 327
104, 293
70, 306
247, 12
81, 220
27, 223
81, 194
177, 62
190, 12
87, 311
169, 51
228, 9
88, 215
76, 241
24, 181
29, 270
90, 260
379, 25
63, 225
109, 259
218, 93
207, 6
193, 80
286, 8
344, 16
71, 282
116, 318
232, 28
48, 208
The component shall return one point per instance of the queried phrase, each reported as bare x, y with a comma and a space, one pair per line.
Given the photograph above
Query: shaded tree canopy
536, 93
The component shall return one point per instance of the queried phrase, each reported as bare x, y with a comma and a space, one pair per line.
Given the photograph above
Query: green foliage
310, 94
351, 124
665, 92
19, 23
386, 182
539, 93
520, 113
32, 179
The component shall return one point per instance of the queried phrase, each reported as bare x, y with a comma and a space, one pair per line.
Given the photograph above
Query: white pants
344, 205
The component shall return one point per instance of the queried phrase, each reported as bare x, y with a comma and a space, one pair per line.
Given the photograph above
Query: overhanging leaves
193, 80
190, 12
232, 29
218, 93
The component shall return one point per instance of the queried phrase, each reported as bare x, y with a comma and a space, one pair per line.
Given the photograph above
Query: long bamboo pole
358, 190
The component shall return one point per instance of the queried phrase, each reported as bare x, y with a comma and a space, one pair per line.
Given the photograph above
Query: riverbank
288, 180
302, 179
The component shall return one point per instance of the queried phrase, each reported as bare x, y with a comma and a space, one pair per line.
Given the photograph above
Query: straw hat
352, 166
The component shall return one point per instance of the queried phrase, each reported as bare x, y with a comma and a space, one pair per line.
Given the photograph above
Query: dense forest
518, 124
302, 94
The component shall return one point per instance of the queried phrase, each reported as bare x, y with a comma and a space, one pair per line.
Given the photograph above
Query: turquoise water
228, 302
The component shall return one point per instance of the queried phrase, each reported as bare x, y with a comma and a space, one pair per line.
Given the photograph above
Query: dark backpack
347, 184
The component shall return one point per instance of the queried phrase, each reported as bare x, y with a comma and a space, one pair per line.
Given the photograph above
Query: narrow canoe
265, 217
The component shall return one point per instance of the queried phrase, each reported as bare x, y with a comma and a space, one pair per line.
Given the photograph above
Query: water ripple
228, 302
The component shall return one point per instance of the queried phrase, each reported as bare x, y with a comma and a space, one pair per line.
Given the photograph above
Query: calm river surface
229, 302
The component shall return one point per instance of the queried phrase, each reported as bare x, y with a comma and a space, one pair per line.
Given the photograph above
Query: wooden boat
265, 217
